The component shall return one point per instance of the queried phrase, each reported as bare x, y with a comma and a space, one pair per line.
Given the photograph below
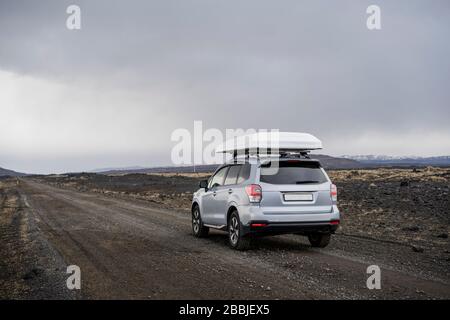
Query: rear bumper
261, 227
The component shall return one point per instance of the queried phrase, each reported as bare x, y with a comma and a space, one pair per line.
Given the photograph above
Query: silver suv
251, 199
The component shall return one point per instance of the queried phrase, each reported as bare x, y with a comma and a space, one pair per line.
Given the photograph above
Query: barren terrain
130, 235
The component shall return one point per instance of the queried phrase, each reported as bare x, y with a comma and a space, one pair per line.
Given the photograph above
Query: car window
218, 178
293, 172
232, 175
244, 173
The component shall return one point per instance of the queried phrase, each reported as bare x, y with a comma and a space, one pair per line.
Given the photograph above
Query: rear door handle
230, 190
214, 193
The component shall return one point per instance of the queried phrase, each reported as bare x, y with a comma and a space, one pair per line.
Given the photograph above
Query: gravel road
132, 249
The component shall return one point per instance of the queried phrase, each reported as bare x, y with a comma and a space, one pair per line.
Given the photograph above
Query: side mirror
203, 184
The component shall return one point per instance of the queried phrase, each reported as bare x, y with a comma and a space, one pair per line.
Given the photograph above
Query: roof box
271, 140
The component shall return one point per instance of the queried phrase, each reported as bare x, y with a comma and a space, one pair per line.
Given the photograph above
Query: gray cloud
138, 70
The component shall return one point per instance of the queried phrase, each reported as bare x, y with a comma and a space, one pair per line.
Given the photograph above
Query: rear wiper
306, 181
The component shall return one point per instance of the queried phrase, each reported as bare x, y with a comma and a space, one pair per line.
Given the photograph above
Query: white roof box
271, 140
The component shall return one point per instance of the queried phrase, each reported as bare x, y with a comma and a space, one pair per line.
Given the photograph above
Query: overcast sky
112, 93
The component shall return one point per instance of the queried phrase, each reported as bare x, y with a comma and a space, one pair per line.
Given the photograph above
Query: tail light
258, 225
333, 192
254, 192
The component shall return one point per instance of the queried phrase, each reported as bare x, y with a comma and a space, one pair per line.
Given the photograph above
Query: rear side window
232, 175
244, 174
218, 178
293, 172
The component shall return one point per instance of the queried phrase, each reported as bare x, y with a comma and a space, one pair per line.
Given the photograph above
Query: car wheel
198, 229
319, 240
235, 235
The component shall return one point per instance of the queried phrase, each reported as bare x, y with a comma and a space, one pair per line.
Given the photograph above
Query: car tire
235, 233
319, 240
198, 229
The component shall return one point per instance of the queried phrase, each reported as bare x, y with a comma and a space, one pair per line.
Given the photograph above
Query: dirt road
130, 249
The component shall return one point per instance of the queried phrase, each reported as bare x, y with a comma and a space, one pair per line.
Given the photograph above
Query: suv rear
267, 197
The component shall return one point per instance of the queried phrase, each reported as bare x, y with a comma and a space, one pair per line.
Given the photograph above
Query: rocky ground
402, 205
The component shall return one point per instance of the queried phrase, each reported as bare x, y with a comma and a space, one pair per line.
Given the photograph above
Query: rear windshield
292, 172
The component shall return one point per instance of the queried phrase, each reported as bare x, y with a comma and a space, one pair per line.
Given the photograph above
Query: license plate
298, 197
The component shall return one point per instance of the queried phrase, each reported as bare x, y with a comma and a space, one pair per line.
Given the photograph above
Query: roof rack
281, 154
301, 154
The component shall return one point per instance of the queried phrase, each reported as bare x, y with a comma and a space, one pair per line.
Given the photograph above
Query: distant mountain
10, 173
166, 169
326, 161
329, 162
383, 160
101, 170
